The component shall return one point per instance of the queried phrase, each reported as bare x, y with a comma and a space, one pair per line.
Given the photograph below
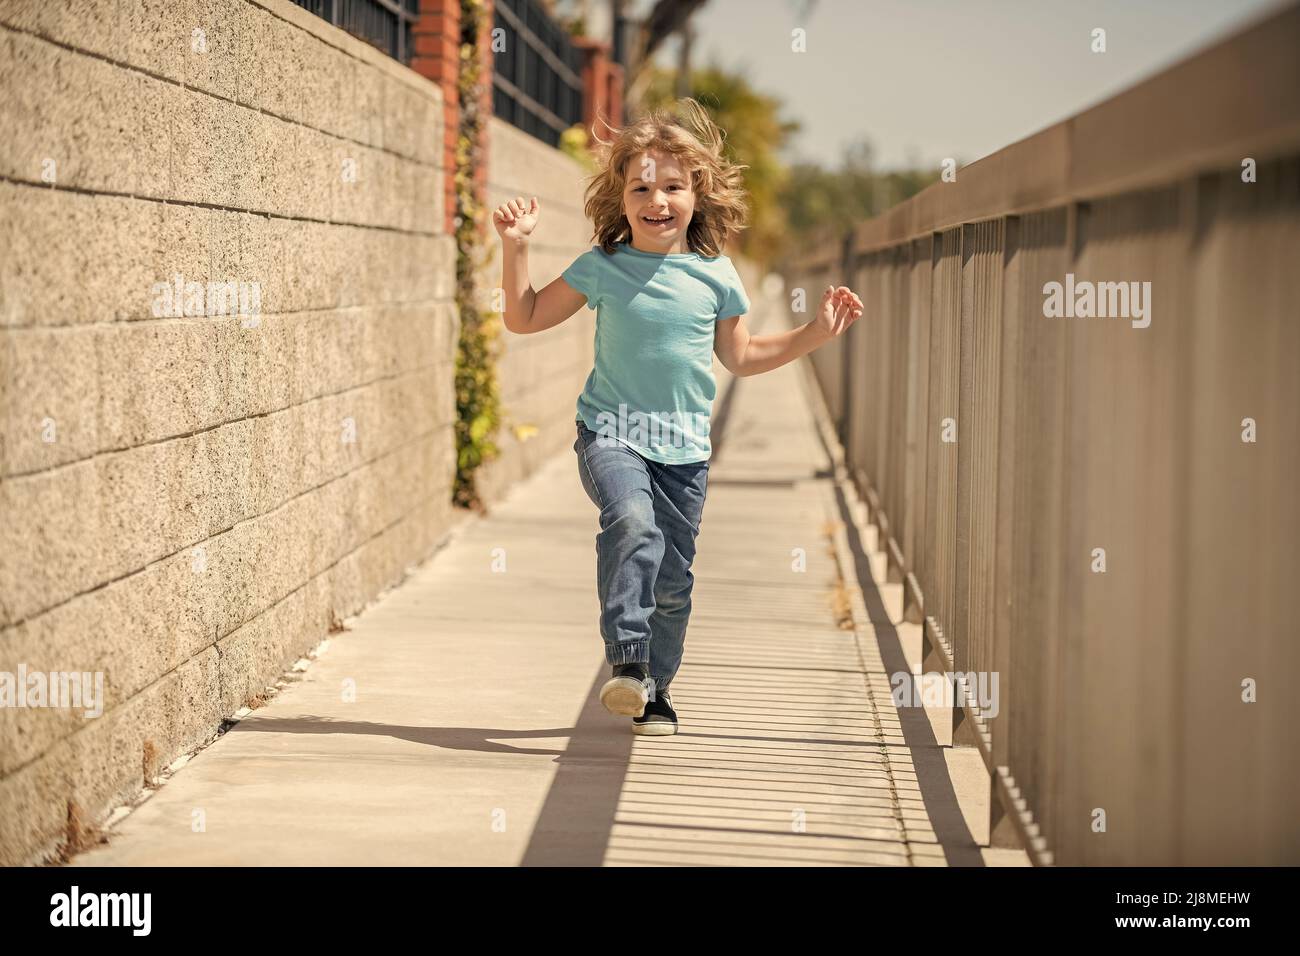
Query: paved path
475, 736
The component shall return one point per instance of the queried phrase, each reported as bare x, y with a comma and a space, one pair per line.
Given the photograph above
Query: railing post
846, 354
1003, 829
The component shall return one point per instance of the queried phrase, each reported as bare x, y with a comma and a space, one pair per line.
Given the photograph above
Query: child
663, 205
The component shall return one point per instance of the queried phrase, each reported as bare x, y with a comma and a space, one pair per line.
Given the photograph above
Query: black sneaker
659, 717
626, 693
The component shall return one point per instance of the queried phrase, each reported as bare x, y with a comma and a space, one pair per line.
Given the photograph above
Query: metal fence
537, 78
385, 24
1102, 512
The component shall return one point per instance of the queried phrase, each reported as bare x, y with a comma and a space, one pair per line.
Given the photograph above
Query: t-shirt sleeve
734, 300
583, 275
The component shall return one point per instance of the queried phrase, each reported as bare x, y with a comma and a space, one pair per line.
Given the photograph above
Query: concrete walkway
475, 736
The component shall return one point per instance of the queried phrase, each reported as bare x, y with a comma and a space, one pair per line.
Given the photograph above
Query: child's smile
658, 201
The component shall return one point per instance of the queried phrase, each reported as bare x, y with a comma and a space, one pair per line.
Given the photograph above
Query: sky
924, 80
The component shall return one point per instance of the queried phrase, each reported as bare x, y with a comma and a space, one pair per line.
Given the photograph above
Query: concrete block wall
179, 508
540, 375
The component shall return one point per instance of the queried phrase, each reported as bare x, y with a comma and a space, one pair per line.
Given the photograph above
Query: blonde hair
691, 136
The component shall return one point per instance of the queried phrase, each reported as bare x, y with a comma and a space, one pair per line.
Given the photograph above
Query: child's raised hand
516, 219
840, 308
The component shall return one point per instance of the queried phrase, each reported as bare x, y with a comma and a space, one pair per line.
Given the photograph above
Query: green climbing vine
478, 400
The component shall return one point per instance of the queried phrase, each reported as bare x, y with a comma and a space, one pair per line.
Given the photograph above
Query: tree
816, 198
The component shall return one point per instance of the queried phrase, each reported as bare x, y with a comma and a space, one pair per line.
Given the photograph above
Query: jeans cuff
628, 652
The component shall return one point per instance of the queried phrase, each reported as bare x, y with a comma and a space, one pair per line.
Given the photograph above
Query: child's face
658, 200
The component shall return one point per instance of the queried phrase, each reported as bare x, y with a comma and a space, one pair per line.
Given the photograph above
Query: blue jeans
649, 517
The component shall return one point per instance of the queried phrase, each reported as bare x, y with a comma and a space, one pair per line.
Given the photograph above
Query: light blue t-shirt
652, 386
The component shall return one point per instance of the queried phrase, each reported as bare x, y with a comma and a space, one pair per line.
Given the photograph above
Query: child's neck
676, 247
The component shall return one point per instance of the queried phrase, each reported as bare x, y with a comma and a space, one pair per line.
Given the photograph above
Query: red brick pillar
602, 87
437, 56
485, 110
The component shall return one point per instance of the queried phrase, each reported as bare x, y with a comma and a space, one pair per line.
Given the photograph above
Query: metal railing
1100, 511
384, 24
537, 75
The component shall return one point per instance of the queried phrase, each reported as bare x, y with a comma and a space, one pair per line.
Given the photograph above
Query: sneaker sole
660, 728
624, 697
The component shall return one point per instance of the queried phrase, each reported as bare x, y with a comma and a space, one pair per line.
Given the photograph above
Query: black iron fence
385, 24
537, 81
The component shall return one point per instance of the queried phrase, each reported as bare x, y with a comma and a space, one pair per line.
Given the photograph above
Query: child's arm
745, 354
526, 310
